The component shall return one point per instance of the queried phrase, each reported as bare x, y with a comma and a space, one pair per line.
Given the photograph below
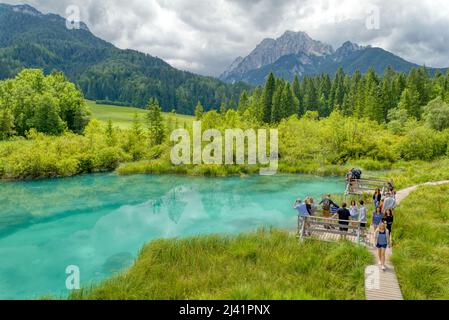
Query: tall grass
421, 235
262, 265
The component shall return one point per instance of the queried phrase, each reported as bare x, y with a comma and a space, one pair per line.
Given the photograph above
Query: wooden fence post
358, 233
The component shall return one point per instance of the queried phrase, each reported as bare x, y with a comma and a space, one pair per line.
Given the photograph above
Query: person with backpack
382, 241
326, 205
356, 174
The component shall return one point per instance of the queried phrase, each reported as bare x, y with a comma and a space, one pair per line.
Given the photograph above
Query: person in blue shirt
377, 218
301, 208
303, 212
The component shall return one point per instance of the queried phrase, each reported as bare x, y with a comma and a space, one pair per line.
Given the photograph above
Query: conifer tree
267, 98
297, 95
410, 101
243, 102
289, 106
277, 113
155, 122
199, 111
223, 108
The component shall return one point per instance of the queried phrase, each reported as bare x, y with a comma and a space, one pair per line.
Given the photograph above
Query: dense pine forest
387, 98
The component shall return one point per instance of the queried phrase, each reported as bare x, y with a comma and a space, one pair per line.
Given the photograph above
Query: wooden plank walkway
384, 285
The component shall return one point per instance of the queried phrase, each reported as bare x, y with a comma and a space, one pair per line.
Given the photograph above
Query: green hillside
31, 39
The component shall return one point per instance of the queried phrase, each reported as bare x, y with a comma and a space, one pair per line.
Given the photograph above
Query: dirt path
402, 194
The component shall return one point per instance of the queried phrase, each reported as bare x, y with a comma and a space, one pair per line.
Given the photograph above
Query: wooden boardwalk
387, 287
379, 284
382, 285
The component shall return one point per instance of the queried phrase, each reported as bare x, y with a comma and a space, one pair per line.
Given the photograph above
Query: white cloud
205, 36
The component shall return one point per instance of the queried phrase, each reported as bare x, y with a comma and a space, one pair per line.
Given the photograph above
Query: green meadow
123, 117
421, 244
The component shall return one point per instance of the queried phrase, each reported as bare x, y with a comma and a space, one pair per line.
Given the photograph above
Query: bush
109, 158
372, 165
436, 114
422, 143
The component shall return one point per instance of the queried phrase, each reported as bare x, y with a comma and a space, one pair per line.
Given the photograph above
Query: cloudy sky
205, 36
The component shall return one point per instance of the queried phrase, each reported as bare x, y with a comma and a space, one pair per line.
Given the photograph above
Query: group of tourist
381, 221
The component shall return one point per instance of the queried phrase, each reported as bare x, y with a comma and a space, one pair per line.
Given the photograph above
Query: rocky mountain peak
347, 49
270, 50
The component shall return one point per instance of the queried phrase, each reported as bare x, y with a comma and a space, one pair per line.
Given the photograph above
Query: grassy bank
406, 174
421, 234
262, 265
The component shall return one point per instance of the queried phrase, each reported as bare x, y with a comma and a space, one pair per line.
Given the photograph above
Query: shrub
109, 158
422, 143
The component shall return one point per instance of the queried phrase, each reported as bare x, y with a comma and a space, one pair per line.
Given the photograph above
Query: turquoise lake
100, 222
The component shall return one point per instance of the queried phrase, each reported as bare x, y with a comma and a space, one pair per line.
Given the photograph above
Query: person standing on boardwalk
354, 210
303, 213
377, 197
362, 217
389, 203
301, 208
382, 241
388, 219
311, 206
377, 218
343, 217
326, 204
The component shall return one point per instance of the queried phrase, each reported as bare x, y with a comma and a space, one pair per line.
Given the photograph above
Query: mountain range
296, 53
31, 39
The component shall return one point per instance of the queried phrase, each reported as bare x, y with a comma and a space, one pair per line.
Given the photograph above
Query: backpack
326, 204
357, 174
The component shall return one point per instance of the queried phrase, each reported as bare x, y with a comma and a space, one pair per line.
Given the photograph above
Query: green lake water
100, 222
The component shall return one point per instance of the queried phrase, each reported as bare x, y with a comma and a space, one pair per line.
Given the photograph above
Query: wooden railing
366, 185
331, 229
